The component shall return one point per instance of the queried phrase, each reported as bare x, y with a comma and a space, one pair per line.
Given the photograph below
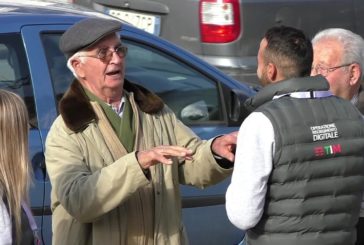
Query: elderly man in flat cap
117, 154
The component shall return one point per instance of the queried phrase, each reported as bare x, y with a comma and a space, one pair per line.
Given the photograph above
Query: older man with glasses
117, 154
339, 56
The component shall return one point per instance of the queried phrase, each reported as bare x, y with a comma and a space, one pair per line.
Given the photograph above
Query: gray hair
353, 45
69, 62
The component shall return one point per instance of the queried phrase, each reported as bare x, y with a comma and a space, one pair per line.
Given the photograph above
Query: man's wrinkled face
102, 68
328, 53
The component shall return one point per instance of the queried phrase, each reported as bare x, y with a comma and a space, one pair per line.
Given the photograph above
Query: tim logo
327, 150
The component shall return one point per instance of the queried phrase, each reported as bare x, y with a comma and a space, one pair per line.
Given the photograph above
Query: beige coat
91, 189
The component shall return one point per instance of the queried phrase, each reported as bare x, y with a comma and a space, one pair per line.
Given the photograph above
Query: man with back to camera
299, 170
339, 57
116, 155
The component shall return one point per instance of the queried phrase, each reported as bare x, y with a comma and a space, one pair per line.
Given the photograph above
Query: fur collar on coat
77, 112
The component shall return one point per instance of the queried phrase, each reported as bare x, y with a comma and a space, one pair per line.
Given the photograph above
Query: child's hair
14, 158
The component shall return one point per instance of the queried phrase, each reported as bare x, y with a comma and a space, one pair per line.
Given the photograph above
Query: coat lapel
77, 112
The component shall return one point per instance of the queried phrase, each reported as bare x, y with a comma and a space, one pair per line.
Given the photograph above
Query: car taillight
219, 20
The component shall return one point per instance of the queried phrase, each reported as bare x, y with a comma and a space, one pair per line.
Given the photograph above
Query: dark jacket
315, 187
27, 234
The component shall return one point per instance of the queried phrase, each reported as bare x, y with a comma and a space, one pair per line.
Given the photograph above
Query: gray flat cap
85, 33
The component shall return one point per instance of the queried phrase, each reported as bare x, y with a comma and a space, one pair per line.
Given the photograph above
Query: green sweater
123, 126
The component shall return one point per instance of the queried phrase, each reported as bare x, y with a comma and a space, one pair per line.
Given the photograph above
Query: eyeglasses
105, 54
324, 71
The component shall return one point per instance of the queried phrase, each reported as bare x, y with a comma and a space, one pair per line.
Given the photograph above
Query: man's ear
355, 74
78, 67
272, 72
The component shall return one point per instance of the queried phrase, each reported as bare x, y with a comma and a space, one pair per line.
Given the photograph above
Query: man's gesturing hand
224, 146
162, 154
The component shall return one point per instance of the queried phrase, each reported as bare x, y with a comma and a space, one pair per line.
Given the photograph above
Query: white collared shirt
119, 109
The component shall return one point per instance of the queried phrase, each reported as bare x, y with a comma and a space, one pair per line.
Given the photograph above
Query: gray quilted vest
315, 188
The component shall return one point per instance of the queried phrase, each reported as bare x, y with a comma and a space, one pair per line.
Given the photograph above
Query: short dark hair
290, 50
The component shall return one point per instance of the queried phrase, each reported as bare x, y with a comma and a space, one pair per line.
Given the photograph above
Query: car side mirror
236, 110
197, 111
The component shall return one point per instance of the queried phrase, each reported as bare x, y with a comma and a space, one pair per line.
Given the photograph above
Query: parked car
203, 97
226, 33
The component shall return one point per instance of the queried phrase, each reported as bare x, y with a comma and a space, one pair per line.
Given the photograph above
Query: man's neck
110, 96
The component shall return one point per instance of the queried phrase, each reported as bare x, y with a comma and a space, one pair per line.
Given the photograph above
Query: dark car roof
20, 13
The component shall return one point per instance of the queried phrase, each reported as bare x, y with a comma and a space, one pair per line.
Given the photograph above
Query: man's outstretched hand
224, 146
162, 154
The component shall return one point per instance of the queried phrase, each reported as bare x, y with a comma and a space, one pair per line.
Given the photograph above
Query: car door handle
39, 167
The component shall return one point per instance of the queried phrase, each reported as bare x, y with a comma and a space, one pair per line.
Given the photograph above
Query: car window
14, 75
191, 95
57, 64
